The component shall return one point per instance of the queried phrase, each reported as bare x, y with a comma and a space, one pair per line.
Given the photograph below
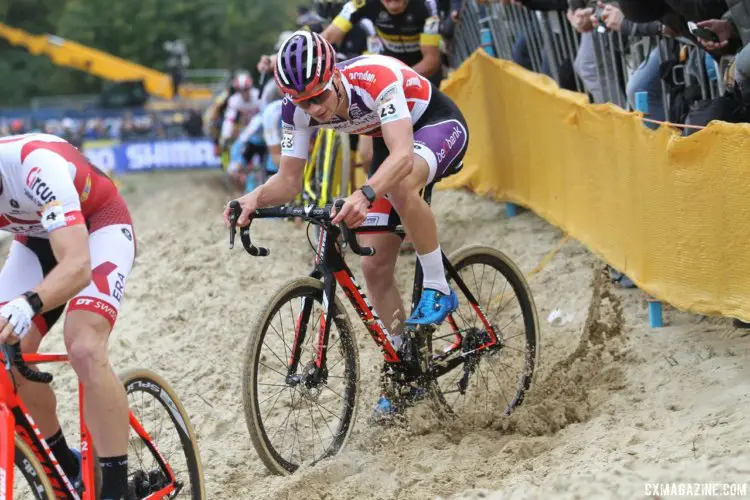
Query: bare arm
399, 138
73, 270
333, 34
430, 63
280, 188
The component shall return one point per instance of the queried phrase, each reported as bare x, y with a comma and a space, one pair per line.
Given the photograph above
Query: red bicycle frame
16, 420
332, 269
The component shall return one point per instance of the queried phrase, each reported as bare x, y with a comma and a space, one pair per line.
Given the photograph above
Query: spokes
488, 382
302, 411
145, 473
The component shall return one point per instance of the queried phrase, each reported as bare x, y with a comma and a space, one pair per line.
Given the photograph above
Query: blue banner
152, 155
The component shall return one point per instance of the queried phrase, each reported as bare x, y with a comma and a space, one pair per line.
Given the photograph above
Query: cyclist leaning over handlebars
420, 137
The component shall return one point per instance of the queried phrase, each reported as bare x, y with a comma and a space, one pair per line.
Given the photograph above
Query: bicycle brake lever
234, 213
350, 237
13, 354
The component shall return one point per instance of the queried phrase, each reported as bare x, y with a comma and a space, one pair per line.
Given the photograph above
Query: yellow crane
99, 63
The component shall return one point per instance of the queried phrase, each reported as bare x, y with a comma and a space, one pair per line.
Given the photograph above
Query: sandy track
616, 404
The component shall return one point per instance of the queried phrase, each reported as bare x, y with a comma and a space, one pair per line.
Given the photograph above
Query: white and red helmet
242, 82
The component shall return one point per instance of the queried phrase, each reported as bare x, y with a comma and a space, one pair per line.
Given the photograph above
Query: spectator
734, 26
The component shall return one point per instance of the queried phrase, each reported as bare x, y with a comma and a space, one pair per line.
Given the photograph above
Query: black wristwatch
369, 193
34, 301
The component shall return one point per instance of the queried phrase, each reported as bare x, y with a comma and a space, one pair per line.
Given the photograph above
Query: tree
219, 34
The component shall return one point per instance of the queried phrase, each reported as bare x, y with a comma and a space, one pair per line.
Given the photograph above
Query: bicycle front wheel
162, 447
30, 482
294, 416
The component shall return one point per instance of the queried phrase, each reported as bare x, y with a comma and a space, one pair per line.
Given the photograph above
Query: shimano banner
139, 156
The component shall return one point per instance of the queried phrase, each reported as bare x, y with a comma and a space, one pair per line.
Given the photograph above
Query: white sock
433, 271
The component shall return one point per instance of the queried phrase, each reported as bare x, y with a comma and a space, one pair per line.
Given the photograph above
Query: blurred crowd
126, 127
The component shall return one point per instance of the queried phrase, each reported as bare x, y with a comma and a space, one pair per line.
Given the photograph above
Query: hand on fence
611, 16
580, 19
723, 30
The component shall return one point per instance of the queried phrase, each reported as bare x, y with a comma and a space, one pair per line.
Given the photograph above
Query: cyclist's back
37, 193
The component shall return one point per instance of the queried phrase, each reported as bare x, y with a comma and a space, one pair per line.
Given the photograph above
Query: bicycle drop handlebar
13, 355
316, 215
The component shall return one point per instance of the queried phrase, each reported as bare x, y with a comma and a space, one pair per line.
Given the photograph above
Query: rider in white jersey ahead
241, 107
74, 244
420, 137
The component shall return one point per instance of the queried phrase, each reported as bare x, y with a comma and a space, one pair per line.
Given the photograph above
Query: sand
616, 405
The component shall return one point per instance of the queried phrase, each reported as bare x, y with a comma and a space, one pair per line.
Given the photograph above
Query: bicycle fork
316, 372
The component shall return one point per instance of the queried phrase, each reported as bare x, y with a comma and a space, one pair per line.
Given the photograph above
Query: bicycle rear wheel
29, 480
153, 454
485, 382
319, 413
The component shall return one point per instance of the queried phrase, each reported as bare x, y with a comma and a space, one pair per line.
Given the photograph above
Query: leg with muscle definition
420, 224
379, 272
105, 402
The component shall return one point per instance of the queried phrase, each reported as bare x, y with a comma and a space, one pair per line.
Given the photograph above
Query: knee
403, 196
365, 155
87, 354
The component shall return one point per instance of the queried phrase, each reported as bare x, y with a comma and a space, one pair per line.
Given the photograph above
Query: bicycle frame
333, 270
15, 419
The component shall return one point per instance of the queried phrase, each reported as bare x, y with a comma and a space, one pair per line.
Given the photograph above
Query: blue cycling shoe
388, 409
433, 308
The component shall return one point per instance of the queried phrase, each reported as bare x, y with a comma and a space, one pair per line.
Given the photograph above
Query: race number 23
387, 110
287, 142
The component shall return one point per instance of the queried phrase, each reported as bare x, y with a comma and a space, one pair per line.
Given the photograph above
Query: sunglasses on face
317, 98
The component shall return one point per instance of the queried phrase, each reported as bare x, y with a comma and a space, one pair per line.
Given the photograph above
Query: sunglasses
317, 98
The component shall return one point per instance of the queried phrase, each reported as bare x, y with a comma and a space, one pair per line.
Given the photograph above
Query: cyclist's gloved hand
248, 205
354, 211
15, 320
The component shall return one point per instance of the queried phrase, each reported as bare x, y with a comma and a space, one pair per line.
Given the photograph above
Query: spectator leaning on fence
734, 26
674, 13
589, 66
646, 77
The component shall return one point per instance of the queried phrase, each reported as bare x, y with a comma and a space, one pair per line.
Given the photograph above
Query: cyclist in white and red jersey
420, 137
241, 107
74, 244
